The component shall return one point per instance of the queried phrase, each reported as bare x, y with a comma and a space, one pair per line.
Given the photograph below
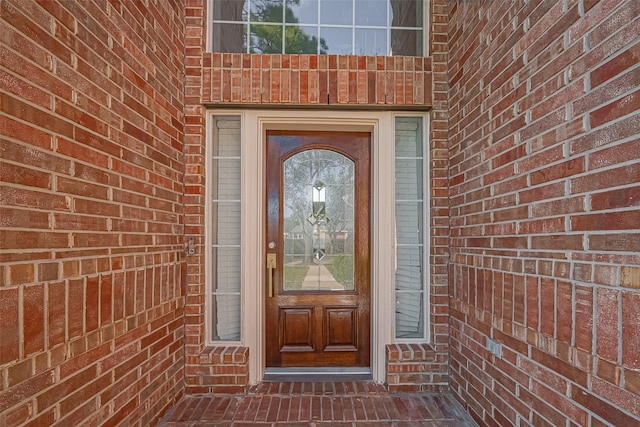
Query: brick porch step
341, 404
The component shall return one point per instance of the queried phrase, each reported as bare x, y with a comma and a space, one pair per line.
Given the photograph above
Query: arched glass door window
318, 216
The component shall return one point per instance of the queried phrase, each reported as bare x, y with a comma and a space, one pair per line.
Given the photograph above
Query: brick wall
411, 368
316, 81
439, 209
545, 189
91, 307
543, 183
198, 369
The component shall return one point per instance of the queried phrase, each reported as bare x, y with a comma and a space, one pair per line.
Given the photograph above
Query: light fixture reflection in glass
318, 199
318, 192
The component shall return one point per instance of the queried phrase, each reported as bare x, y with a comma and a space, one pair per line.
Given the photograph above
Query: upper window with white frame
344, 27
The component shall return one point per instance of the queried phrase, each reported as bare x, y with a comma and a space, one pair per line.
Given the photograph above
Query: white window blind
410, 220
225, 229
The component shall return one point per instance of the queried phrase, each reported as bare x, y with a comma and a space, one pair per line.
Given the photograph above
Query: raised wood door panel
319, 314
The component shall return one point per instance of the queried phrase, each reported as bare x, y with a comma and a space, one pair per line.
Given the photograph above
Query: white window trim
208, 24
255, 123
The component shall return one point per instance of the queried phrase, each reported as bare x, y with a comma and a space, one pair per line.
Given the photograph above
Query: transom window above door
344, 27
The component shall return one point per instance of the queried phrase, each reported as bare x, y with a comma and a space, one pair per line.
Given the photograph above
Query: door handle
271, 265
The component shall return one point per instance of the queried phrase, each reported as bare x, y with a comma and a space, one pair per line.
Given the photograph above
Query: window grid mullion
388, 27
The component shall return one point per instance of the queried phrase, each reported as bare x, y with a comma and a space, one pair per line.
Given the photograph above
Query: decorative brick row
316, 80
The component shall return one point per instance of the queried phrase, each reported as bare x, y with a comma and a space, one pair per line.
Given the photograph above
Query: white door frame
255, 123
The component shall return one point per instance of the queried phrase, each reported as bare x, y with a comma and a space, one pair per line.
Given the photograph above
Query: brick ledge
414, 352
222, 369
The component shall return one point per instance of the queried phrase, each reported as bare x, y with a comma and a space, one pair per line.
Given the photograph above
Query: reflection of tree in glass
301, 172
268, 38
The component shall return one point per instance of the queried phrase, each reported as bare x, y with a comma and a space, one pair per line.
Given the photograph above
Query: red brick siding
316, 80
222, 369
414, 368
545, 235
91, 112
439, 210
219, 80
197, 371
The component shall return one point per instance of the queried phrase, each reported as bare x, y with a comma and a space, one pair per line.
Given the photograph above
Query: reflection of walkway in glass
318, 278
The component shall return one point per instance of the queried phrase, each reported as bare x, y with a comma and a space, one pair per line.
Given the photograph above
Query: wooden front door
317, 253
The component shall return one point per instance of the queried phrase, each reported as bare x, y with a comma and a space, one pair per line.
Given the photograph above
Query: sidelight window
410, 228
224, 229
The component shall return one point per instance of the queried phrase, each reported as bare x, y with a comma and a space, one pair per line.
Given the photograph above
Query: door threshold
317, 374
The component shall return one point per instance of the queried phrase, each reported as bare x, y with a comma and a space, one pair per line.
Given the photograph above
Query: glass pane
230, 10
402, 18
227, 223
338, 40
318, 208
406, 42
302, 11
226, 268
408, 137
372, 12
267, 11
229, 38
408, 179
406, 13
224, 228
226, 317
301, 39
409, 223
228, 137
409, 315
409, 268
336, 12
409, 277
371, 42
266, 38
226, 177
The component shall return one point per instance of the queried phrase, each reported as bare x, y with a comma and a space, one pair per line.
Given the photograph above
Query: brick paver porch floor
339, 404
